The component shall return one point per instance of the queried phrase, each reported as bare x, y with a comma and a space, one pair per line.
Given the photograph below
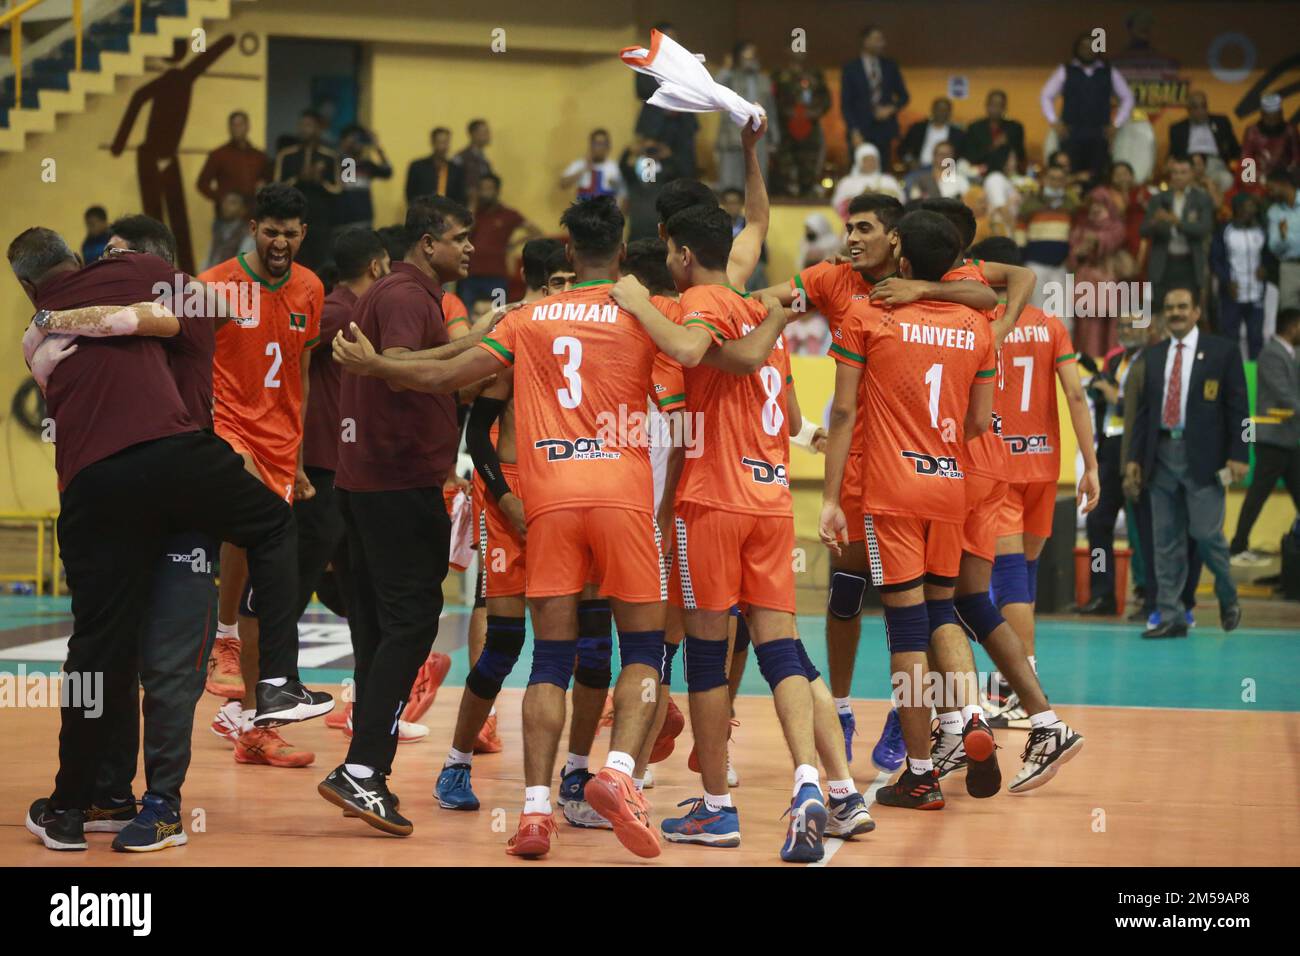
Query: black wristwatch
41, 319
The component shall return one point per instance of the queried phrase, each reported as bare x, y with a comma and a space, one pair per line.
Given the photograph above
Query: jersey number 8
773, 416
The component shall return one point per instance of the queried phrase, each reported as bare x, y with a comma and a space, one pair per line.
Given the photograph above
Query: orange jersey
921, 360
746, 438
667, 385
968, 270
1026, 403
987, 455
256, 372
586, 374
454, 312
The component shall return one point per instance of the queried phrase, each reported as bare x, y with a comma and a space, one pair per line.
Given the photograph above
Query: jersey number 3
571, 349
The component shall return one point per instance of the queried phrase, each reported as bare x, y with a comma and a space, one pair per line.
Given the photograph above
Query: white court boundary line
833, 844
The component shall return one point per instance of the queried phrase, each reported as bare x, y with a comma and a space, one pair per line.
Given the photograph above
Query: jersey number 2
571, 348
273, 350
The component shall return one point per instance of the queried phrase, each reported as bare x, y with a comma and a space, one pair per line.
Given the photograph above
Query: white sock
805, 774
920, 767
359, 770
1045, 719
842, 705
1033, 662
640, 783
574, 762
458, 756
840, 789
968, 712
617, 760
493, 711
537, 799
714, 803
950, 723
228, 630
275, 681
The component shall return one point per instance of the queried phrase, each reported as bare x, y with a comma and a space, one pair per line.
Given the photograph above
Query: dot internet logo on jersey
575, 449
766, 473
1028, 444
930, 466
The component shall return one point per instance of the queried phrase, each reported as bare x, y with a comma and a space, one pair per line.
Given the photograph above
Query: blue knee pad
940, 612
778, 660
1010, 583
505, 641
666, 670
1031, 573
977, 615
908, 628
641, 647
847, 589
553, 663
809, 668
742, 632
706, 664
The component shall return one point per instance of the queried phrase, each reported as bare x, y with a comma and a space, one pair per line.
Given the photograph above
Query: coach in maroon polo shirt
396, 448
234, 167
361, 260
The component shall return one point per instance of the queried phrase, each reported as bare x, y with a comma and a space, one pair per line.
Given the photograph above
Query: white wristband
805, 437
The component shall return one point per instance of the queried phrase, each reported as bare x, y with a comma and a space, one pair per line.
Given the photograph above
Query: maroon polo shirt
493, 227
116, 392
233, 169
320, 437
401, 439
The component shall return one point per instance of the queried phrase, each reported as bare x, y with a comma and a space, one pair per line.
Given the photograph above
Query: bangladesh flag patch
297, 321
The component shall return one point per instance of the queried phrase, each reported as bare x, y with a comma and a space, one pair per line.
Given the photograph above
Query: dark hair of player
956, 212
887, 209
706, 231
146, 234
595, 228
539, 257
99, 212
279, 201
1001, 249
929, 242
394, 240
683, 194
354, 250
646, 259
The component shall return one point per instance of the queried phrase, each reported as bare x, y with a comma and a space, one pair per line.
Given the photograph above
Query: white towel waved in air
685, 85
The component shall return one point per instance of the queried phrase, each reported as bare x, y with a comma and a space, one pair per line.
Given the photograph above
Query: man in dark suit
917, 148
1203, 132
1188, 429
871, 94
990, 140
1178, 223
436, 174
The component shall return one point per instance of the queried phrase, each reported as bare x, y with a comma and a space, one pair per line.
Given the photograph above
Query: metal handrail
14, 18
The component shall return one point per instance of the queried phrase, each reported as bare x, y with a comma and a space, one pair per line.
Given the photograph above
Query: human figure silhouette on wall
157, 158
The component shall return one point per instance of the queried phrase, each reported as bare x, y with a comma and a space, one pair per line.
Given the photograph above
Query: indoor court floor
1192, 759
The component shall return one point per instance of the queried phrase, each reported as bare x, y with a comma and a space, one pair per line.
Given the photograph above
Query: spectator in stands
473, 161
1205, 179
733, 203
674, 132
646, 168
1271, 143
230, 232
939, 179
1044, 231
498, 231
802, 99
1132, 200
865, 177
355, 208
988, 141
917, 149
1178, 224
1084, 126
1237, 259
236, 166
595, 174
871, 94
1277, 442
313, 169
436, 174
1097, 255
745, 75
97, 234
1204, 132
1004, 190
1284, 234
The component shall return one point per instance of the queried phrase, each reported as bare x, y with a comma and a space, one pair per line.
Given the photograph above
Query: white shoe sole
860, 825
106, 826
725, 840
1045, 776
293, 715
50, 844
176, 839
578, 813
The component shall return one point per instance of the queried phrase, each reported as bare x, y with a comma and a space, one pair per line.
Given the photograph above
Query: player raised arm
684, 344
899, 291
441, 370
104, 321
833, 528
747, 247
1089, 490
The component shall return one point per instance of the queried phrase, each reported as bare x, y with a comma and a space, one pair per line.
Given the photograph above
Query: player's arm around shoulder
107, 321
685, 344
749, 352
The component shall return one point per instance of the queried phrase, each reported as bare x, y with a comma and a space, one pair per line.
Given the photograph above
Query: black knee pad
847, 590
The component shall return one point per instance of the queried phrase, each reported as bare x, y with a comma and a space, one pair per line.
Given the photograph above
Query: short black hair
1286, 318
1189, 289
279, 201
439, 129
36, 251
540, 258
647, 259
475, 124
235, 113
1115, 163
1001, 249
496, 180
929, 242
98, 211
869, 29
706, 231
595, 227
431, 216
394, 240
598, 132
354, 249
995, 92
1051, 160
886, 207
956, 212
683, 194
146, 234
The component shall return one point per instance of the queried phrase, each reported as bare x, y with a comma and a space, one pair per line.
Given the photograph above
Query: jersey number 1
571, 348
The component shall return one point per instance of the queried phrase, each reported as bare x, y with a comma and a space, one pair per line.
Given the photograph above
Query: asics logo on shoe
373, 801
697, 826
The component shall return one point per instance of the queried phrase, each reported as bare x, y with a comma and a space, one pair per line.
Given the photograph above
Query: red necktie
1174, 393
